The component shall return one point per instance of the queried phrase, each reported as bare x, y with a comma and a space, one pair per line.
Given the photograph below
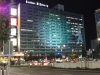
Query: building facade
97, 20
43, 30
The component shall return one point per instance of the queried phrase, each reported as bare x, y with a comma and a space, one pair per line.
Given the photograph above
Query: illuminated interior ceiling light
13, 11
80, 24
13, 21
76, 29
47, 6
76, 18
37, 3
26, 30
68, 20
72, 28
80, 19
80, 45
68, 30
30, 20
58, 18
56, 15
54, 35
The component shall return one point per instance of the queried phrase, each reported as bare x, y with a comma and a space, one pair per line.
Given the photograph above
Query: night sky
85, 7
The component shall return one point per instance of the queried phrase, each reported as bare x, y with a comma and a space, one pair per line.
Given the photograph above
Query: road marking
19, 73
66, 74
45, 72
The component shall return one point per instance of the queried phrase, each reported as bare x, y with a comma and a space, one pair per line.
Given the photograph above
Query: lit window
13, 11
13, 31
80, 19
13, 21
14, 41
80, 24
30, 20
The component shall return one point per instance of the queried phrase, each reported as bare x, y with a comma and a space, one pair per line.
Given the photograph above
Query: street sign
58, 53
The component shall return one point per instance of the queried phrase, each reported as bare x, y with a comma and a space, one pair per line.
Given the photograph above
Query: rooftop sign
36, 3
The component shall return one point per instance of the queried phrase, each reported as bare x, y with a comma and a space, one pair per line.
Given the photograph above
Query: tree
52, 55
4, 29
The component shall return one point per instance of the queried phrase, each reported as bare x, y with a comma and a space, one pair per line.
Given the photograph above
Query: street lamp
93, 53
9, 59
98, 39
61, 47
72, 51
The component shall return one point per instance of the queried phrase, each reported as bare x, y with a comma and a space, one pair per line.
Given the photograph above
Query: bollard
2, 70
3, 66
6, 69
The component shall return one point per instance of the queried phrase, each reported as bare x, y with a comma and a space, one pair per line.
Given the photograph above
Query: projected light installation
55, 31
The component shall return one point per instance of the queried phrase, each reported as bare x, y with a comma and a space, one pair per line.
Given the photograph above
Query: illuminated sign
36, 3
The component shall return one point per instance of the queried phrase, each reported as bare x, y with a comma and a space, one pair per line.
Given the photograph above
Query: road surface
48, 71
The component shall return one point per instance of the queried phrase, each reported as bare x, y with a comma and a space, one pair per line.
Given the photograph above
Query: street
40, 71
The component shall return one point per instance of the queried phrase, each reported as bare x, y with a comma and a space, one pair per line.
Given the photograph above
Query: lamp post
61, 47
9, 60
72, 51
93, 53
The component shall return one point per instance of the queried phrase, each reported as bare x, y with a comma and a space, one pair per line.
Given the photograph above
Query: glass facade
44, 30
97, 19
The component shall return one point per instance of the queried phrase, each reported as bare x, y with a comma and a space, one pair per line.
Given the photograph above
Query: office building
43, 30
37, 28
97, 20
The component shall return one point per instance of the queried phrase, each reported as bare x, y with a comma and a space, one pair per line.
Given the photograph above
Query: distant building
93, 44
97, 21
